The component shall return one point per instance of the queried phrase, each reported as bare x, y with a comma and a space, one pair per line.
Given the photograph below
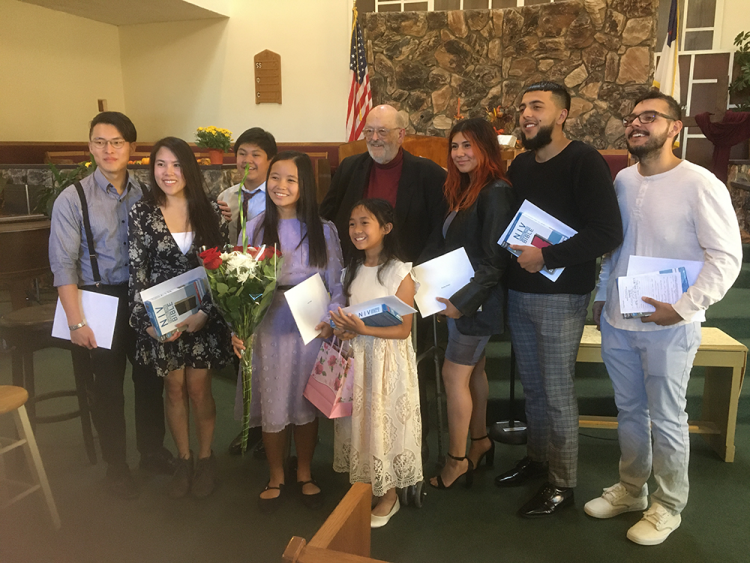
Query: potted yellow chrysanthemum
216, 140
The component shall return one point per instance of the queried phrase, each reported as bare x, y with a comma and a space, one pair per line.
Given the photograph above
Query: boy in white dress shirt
673, 209
254, 148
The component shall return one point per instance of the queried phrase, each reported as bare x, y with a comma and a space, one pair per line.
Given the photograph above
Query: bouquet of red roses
243, 280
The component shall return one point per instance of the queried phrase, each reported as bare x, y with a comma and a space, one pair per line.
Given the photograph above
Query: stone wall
602, 50
741, 198
216, 179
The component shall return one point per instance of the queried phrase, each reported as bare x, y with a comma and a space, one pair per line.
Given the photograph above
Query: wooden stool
12, 399
27, 330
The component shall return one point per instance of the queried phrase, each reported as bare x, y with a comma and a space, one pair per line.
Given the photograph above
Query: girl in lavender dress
282, 363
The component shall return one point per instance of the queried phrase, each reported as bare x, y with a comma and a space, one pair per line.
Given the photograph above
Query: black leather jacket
477, 229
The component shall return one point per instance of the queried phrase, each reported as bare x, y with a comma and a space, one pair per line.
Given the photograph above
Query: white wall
183, 75
53, 69
735, 19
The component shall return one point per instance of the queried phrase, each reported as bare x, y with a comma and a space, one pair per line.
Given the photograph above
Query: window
437, 5
698, 25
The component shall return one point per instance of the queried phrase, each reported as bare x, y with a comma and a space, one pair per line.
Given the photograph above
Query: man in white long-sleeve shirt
677, 210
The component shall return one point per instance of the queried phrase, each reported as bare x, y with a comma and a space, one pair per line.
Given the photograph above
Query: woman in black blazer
481, 205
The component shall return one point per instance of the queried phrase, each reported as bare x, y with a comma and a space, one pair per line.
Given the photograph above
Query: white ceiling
129, 12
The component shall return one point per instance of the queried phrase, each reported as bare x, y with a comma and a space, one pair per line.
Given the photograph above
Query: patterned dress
154, 258
282, 363
381, 443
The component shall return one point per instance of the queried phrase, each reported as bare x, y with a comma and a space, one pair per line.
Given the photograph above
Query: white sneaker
655, 526
615, 500
380, 521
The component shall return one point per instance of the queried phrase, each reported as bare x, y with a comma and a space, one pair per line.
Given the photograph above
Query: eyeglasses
381, 131
645, 117
102, 143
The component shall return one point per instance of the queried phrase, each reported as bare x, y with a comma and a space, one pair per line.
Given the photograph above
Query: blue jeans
650, 373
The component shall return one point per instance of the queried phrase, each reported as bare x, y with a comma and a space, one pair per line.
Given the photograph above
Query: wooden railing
343, 538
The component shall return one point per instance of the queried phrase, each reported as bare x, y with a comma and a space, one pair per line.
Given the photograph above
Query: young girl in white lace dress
381, 442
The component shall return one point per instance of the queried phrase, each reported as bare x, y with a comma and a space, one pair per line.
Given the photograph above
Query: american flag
360, 95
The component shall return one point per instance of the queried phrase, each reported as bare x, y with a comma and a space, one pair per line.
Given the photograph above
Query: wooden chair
343, 538
617, 159
434, 148
13, 399
25, 331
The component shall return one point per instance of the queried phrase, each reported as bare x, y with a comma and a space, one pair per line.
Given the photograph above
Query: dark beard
542, 139
651, 147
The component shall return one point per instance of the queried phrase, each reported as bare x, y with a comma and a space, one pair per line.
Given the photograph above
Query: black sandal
489, 455
314, 501
268, 505
468, 475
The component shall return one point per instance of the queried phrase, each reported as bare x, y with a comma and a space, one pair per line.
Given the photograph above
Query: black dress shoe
548, 500
161, 461
254, 435
524, 470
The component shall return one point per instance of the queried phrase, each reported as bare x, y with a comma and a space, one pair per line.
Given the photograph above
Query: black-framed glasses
100, 143
381, 131
645, 117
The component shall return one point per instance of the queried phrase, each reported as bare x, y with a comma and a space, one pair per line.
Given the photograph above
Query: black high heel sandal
468, 475
489, 455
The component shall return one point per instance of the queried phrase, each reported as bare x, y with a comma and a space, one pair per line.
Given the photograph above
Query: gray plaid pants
546, 331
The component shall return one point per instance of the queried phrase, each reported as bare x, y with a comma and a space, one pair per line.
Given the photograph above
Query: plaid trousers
546, 331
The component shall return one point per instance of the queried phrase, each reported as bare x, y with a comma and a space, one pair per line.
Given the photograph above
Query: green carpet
477, 525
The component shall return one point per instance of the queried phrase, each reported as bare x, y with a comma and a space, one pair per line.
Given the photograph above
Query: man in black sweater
411, 184
572, 182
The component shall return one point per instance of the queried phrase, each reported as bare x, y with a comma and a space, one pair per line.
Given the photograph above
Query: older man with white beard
671, 209
411, 184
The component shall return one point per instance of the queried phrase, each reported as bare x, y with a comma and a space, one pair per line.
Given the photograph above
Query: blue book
379, 315
170, 303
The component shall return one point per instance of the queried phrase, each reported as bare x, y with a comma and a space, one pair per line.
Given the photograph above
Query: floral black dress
154, 258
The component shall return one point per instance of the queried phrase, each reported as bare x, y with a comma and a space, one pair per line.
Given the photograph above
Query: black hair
257, 136
118, 120
307, 210
674, 107
384, 214
203, 218
559, 92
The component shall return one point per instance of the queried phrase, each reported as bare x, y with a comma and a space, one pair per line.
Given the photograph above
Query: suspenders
89, 234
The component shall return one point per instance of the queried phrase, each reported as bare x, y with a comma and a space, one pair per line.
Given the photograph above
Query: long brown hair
461, 189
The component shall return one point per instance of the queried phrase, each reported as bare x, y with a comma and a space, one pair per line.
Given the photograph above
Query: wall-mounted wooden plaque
267, 78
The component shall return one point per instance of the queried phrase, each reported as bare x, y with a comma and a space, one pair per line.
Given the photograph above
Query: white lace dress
381, 442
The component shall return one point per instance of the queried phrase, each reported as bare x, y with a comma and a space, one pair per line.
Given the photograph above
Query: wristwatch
76, 327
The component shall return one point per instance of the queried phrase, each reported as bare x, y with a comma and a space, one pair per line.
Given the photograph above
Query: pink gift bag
331, 384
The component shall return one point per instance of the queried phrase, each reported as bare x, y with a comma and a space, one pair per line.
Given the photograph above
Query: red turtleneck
384, 179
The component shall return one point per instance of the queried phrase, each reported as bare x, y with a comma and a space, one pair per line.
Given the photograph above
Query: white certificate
99, 312
308, 302
441, 277
666, 286
646, 264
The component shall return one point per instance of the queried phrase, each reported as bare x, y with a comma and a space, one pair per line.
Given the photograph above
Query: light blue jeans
650, 373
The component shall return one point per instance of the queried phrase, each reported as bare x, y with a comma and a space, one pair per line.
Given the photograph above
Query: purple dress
281, 362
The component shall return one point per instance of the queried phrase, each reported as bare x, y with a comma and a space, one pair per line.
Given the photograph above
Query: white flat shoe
380, 521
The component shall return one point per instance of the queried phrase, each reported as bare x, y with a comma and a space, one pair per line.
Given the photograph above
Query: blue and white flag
667, 75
